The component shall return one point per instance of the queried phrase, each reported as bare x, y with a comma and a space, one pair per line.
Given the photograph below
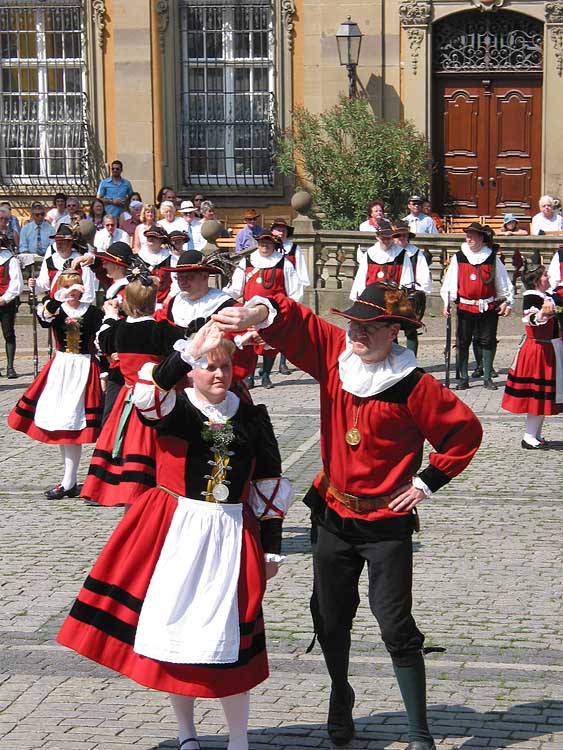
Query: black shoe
477, 372
340, 722
58, 491
11, 373
489, 385
249, 382
539, 447
494, 373
463, 385
421, 745
284, 370
266, 382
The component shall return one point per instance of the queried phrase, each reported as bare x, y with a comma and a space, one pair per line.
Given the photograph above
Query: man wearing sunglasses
35, 235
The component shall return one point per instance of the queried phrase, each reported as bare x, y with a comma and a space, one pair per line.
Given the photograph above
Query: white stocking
534, 423
183, 706
236, 708
71, 458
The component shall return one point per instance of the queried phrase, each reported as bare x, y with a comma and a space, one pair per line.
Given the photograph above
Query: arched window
475, 42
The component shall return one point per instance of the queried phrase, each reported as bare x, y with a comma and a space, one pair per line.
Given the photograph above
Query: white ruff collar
185, 310
153, 259
364, 380
216, 413
475, 259
265, 261
112, 290
75, 312
379, 255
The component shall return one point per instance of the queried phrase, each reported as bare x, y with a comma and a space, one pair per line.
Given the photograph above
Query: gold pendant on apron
353, 436
220, 492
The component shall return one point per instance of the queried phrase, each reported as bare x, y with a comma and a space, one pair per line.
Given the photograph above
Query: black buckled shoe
284, 370
489, 385
463, 385
58, 491
539, 447
340, 722
421, 745
11, 374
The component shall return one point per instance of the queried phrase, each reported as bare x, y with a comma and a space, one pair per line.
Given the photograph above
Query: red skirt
530, 385
121, 475
102, 622
21, 417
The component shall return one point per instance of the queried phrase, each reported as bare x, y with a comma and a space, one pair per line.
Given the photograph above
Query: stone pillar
415, 17
133, 124
552, 97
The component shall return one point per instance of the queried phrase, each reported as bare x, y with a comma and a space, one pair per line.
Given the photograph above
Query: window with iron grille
227, 108
43, 106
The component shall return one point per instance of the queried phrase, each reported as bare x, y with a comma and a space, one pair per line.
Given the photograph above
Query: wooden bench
457, 224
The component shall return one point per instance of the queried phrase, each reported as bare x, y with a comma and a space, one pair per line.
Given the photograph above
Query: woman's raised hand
207, 338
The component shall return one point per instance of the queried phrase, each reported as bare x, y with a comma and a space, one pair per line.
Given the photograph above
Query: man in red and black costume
377, 409
478, 281
384, 261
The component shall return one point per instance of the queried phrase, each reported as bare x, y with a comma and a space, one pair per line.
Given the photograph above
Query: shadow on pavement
471, 729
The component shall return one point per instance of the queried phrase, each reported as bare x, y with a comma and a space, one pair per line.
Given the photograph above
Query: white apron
61, 404
190, 613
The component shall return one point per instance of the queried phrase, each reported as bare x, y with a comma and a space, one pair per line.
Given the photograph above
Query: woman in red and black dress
175, 599
63, 405
123, 462
531, 386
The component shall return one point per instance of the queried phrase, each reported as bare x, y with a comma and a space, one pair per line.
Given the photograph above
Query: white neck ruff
216, 413
265, 261
476, 259
75, 312
364, 380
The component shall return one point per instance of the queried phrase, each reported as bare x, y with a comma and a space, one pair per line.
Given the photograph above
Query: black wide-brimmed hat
119, 253
192, 260
483, 229
281, 222
400, 228
384, 231
177, 234
155, 230
267, 237
381, 303
64, 232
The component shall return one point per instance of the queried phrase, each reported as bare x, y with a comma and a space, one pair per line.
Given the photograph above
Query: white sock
534, 424
236, 708
71, 458
183, 706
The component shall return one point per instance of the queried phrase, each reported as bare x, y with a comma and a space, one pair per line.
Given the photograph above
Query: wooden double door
487, 145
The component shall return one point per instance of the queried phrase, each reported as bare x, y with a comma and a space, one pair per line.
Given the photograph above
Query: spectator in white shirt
110, 234
547, 220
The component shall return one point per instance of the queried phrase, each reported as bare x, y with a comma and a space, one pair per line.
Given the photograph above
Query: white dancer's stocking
236, 708
534, 424
183, 706
71, 458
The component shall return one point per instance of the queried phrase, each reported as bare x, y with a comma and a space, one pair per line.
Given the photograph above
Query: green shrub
349, 159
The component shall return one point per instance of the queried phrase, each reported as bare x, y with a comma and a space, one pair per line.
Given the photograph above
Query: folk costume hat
119, 253
381, 303
400, 228
384, 231
483, 229
267, 238
281, 222
64, 232
157, 231
177, 234
193, 260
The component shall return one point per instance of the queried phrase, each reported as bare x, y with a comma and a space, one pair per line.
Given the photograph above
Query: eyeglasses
38, 214
367, 328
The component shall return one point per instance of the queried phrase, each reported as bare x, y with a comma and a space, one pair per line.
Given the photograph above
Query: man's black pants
339, 557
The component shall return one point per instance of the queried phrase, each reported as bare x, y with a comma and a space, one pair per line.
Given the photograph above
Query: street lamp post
349, 41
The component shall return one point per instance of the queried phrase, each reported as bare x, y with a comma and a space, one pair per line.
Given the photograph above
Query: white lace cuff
271, 498
184, 347
420, 485
272, 312
271, 557
150, 400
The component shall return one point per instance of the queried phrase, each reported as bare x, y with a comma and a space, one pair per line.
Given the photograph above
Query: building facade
191, 93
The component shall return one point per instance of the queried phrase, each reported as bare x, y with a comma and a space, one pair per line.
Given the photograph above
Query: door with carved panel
487, 113
487, 136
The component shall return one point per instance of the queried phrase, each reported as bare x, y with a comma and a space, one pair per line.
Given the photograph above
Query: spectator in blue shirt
35, 235
247, 237
115, 191
419, 222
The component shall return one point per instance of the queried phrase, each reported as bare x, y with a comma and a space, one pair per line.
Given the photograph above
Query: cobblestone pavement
488, 587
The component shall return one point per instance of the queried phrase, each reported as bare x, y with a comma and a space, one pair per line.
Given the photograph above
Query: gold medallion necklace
353, 436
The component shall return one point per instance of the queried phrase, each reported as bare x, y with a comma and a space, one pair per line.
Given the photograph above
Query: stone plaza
488, 588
